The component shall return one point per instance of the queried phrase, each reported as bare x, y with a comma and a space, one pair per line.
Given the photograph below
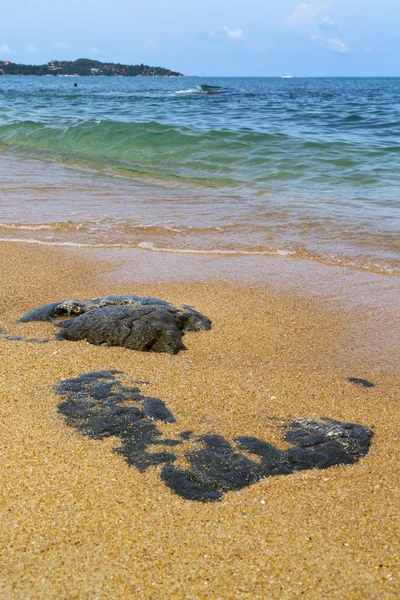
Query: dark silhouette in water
212, 89
75, 85
100, 406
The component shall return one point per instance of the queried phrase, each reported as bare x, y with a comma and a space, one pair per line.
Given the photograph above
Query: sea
296, 167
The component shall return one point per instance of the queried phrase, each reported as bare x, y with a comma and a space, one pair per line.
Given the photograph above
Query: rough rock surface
129, 321
100, 406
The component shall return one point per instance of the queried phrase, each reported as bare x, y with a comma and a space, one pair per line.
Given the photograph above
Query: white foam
25, 227
150, 246
42, 226
65, 244
191, 91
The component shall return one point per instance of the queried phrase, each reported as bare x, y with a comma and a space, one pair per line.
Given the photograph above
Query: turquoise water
304, 167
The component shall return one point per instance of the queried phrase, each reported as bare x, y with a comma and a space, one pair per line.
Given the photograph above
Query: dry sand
76, 522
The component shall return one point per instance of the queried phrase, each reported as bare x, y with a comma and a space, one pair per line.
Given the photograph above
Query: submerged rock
98, 405
129, 321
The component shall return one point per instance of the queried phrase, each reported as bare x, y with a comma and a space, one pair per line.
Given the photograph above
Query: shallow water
299, 167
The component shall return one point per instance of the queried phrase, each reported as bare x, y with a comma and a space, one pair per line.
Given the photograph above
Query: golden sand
76, 522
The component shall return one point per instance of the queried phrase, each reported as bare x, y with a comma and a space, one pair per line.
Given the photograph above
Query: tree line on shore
85, 67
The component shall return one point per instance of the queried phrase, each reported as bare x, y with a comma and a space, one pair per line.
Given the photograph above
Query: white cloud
307, 12
150, 45
309, 21
234, 34
31, 49
95, 51
4, 49
328, 25
334, 44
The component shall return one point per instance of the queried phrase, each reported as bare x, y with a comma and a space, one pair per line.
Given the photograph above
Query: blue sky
212, 37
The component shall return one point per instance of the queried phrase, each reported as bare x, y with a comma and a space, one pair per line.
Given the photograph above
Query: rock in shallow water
100, 406
146, 324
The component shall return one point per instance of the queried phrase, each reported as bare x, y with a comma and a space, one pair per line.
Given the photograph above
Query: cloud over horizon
5, 49
234, 34
335, 44
306, 12
309, 20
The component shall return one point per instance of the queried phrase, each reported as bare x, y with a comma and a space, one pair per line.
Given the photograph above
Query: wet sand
76, 522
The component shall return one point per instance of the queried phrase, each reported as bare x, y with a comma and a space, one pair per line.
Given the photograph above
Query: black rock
322, 445
218, 467
156, 410
180, 483
129, 321
98, 405
54, 311
364, 382
20, 338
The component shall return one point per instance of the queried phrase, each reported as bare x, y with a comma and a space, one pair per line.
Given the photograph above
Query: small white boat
286, 76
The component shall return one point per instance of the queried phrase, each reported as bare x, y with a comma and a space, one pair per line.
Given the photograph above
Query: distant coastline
85, 67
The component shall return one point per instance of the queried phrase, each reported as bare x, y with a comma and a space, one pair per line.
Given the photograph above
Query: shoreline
148, 247
356, 294
285, 337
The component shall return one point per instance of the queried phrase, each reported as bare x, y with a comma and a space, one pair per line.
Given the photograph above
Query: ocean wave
199, 156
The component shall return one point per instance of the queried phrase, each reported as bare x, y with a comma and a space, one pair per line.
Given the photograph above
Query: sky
211, 37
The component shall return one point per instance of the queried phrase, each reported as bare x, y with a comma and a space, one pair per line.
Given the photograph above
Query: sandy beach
77, 522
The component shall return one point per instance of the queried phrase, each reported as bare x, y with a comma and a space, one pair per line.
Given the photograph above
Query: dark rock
20, 338
322, 445
129, 321
364, 382
54, 311
156, 410
218, 467
273, 460
180, 483
186, 435
100, 406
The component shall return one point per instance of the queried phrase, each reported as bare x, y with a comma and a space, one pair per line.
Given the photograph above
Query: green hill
85, 67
